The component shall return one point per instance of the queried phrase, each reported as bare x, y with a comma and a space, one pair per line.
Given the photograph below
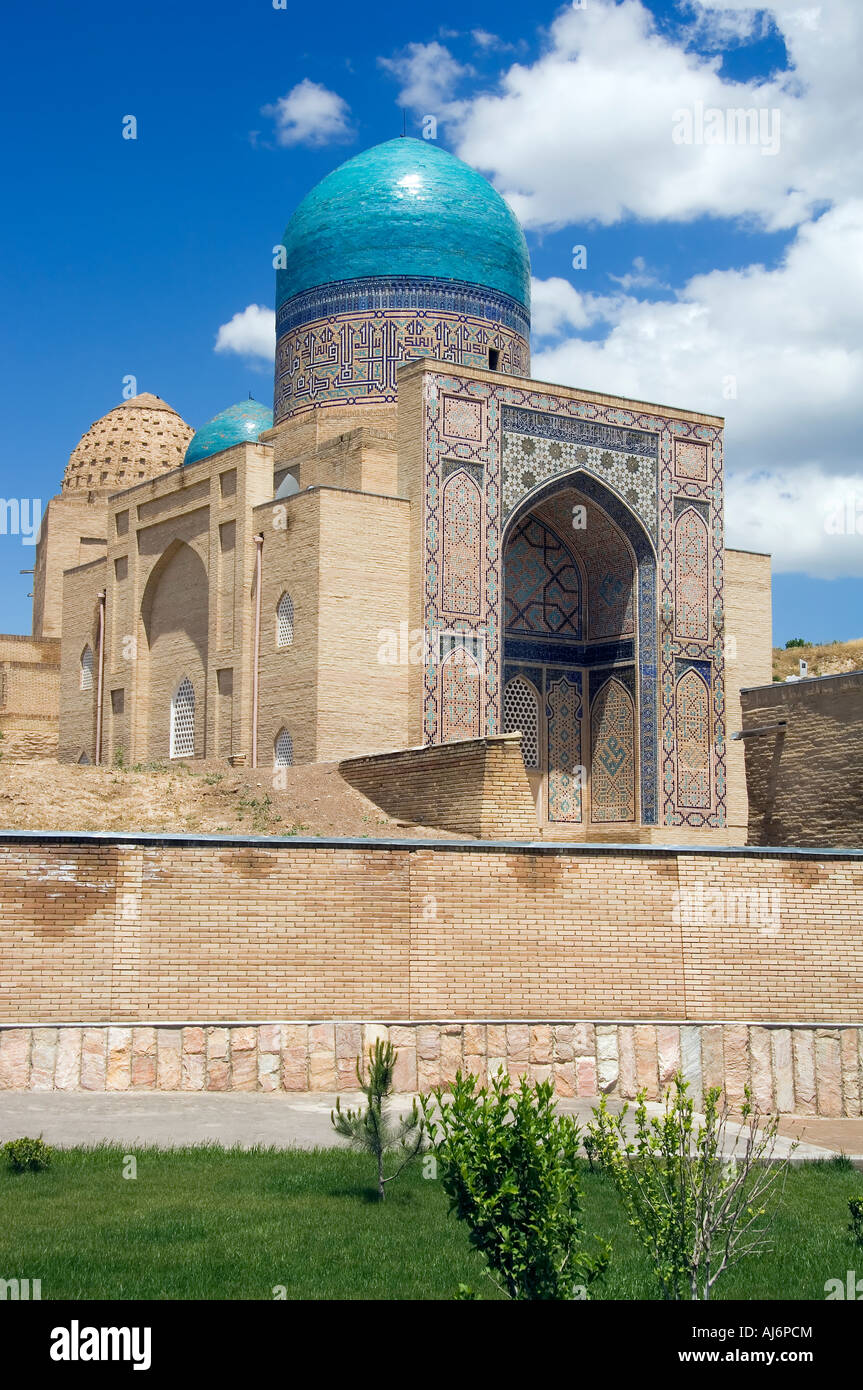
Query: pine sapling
372, 1129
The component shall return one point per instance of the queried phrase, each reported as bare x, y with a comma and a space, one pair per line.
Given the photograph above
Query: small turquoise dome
405, 208
239, 424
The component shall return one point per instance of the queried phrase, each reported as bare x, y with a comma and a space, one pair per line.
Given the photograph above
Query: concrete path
285, 1121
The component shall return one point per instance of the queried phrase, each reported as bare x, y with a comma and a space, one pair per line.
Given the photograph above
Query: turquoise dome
239, 424
405, 208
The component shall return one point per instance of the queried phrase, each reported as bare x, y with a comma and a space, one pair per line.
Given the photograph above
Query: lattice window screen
285, 621
183, 721
521, 711
86, 669
284, 749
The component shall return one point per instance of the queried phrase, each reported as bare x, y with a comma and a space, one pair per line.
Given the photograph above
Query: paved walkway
286, 1121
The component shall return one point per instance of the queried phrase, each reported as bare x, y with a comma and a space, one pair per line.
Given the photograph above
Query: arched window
87, 669
285, 621
284, 749
183, 721
521, 712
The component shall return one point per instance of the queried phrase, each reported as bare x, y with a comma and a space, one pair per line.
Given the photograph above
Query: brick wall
805, 780
476, 786
136, 961
120, 929
748, 661
29, 697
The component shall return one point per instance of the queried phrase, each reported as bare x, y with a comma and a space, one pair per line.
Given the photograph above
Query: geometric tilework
690, 460
521, 713
461, 686
529, 461
693, 741
462, 545
605, 560
612, 769
462, 418
542, 590
691, 570
351, 358
563, 723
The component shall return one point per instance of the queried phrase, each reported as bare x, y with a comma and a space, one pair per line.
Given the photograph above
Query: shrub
509, 1165
27, 1155
696, 1211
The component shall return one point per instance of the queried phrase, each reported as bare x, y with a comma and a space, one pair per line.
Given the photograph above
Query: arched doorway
172, 654
579, 667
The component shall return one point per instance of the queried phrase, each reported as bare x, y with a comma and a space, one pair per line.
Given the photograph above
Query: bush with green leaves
27, 1155
699, 1199
855, 1225
373, 1130
509, 1164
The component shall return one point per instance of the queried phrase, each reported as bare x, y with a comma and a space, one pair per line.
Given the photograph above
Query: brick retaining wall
109, 945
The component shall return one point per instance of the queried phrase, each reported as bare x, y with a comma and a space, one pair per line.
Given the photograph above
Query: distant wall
748, 661
805, 779
475, 786
29, 698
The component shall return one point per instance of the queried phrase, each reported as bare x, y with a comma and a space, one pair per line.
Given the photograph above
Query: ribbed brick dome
139, 439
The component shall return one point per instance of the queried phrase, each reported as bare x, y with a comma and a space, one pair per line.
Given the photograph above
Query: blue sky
124, 257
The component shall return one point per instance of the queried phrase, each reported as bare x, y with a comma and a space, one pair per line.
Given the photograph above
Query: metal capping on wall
453, 846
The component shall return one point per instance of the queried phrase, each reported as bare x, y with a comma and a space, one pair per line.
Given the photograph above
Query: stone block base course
794, 1069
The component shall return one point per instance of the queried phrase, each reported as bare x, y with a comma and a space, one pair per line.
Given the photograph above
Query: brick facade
805, 777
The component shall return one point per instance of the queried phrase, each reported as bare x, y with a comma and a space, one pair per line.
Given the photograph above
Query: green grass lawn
226, 1224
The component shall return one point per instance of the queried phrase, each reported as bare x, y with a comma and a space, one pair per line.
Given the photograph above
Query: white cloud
810, 521
555, 305
787, 341
641, 277
429, 74
585, 132
310, 114
250, 333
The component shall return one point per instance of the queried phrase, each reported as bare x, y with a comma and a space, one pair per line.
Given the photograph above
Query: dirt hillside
200, 799
829, 659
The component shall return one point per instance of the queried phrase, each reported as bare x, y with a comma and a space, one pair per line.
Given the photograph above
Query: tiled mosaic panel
693, 741
529, 461
462, 546
352, 359
461, 691
612, 766
690, 460
563, 728
692, 576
